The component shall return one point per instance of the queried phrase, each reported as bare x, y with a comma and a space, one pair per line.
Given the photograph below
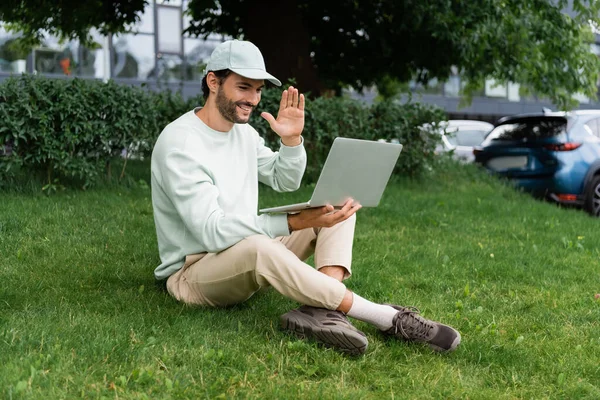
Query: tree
334, 43
68, 19
327, 45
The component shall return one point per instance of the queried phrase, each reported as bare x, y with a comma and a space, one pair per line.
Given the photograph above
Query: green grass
80, 316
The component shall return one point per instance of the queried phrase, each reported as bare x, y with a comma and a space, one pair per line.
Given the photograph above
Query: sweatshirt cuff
292, 152
278, 225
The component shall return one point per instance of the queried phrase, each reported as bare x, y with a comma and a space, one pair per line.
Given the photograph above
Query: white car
461, 135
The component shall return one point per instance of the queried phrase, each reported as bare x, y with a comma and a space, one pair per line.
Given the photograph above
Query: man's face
237, 97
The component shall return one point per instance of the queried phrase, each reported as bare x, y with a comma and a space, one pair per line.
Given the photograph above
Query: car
552, 155
461, 136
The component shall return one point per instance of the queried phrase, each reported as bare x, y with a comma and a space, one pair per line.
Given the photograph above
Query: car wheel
592, 197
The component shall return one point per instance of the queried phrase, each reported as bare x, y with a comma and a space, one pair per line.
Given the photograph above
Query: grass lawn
80, 316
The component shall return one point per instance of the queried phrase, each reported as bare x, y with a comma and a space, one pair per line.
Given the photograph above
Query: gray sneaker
410, 326
327, 327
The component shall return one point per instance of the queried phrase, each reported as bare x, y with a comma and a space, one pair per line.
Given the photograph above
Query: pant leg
331, 246
233, 275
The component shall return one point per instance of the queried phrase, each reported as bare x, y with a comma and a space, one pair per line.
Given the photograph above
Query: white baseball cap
241, 57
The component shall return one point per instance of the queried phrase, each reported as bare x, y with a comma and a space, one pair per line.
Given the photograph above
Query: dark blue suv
554, 155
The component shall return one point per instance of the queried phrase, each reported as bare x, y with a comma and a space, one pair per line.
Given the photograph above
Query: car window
467, 137
594, 126
529, 129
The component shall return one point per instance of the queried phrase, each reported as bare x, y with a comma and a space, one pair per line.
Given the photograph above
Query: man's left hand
290, 118
322, 217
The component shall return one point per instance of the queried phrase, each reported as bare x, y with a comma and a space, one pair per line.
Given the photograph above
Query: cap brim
256, 74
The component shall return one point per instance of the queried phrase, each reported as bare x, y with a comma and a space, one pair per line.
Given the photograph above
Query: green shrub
405, 122
68, 131
171, 105
50, 128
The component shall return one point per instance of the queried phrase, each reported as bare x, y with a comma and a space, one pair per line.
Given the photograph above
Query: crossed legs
235, 274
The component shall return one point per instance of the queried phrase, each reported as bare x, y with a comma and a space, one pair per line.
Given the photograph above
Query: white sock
376, 314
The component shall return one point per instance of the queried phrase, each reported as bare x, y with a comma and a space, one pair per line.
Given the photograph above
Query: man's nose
254, 98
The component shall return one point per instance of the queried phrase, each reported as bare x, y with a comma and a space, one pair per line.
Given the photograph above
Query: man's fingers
290, 96
328, 216
301, 104
355, 209
318, 212
270, 119
283, 101
295, 98
349, 209
348, 205
325, 209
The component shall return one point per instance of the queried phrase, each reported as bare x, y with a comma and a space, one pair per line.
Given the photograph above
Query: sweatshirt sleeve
194, 195
282, 170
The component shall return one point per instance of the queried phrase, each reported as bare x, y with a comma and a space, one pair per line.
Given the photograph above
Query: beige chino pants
233, 275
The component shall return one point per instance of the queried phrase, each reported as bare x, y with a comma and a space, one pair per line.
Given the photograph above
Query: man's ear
212, 82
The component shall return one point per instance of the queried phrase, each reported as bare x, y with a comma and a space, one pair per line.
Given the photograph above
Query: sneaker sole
345, 340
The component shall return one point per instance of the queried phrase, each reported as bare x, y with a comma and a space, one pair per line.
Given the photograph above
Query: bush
171, 105
68, 131
405, 123
71, 129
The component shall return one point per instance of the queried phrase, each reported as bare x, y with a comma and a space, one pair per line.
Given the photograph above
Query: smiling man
215, 249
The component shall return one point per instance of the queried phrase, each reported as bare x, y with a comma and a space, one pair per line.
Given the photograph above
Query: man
216, 251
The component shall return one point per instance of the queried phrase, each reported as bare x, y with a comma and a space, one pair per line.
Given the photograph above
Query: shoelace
420, 328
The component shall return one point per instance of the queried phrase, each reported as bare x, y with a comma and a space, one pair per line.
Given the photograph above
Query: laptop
357, 169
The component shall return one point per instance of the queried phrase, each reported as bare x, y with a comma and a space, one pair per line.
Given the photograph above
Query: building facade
155, 53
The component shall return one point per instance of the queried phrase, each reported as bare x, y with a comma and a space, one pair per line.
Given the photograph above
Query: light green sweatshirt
205, 188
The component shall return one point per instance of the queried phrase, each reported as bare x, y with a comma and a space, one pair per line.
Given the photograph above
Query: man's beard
228, 108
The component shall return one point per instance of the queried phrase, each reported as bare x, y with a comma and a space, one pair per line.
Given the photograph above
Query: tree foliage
327, 45
359, 43
69, 19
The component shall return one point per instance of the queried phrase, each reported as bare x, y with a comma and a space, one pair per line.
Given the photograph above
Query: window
594, 126
169, 67
169, 30
530, 129
452, 86
495, 89
468, 137
12, 58
133, 56
197, 52
56, 58
170, 2
93, 59
146, 24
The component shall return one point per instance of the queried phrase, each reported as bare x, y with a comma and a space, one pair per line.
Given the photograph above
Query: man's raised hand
290, 117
